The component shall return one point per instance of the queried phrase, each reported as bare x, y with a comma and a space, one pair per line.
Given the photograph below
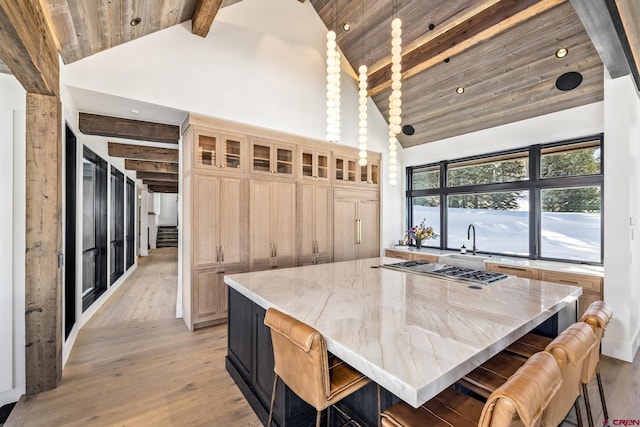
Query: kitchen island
413, 335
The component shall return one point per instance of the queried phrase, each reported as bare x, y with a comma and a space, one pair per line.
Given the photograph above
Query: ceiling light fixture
395, 99
346, 26
562, 52
459, 90
362, 100
333, 86
135, 21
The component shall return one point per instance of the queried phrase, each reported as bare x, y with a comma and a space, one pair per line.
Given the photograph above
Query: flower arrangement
422, 232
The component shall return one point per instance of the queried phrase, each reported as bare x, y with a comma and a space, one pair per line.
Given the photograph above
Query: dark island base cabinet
250, 364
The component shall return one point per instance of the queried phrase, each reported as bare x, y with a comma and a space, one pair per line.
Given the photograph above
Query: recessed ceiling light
459, 90
562, 52
135, 21
346, 26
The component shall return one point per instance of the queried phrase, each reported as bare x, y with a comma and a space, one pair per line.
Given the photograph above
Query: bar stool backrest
300, 358
597, 316
570, 349
521, 400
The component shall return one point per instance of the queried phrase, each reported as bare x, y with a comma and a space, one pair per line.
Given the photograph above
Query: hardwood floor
134, 364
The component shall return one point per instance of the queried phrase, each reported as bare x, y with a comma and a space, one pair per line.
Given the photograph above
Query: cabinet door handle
569, 282
217, 253
275, 250
221, 253
359, 231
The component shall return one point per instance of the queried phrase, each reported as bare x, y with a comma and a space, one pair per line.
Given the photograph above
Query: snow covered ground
574, 236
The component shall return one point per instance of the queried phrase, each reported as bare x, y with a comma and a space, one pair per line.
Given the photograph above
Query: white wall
12, 239
168, 209
262, 63
621, 192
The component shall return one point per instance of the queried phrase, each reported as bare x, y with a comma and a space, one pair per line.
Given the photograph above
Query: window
94, 227
117, 224
502, 225
539, 202
505, 168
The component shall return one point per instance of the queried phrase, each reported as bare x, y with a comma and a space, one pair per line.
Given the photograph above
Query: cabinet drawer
589, 283
398, 254
525, 272
425, 257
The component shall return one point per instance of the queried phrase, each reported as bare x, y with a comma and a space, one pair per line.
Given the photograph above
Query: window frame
533, 185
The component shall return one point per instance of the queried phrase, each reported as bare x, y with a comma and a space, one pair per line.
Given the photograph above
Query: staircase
167, 237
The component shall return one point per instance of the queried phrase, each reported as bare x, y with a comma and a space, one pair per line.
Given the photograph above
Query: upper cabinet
219, 152
314, 165
272, 158
370, 173
347, 170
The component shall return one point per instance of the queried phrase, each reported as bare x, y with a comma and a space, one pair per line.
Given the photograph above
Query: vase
418, 243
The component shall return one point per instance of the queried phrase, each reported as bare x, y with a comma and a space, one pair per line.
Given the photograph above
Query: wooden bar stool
519, 401
570, 349
302, 362
597, 317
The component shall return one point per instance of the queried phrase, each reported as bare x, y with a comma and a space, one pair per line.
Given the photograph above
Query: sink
477, 262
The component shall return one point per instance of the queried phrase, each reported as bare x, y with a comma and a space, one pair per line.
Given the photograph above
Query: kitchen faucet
472, 227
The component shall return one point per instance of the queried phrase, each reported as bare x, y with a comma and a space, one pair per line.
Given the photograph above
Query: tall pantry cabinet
214, 222
254, 199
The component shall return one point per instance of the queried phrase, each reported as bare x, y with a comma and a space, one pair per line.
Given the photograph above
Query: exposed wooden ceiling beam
28, 47
203, 16
626, 18
163, 188
155, 183
94, 124
157, 176
145, 166
596, 19
142, 152
459, 34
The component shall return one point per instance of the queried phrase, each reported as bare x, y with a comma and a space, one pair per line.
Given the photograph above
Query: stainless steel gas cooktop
435, 269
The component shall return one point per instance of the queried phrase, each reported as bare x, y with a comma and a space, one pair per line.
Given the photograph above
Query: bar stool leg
318, 417
585, 392
576, 406
604, 404
273, 401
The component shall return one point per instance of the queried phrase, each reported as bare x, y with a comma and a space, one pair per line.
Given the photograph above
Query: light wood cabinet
356, 225
314, 223
216, 151
370, 173
411, 256
210, 295
272, 224
217, 225
592, 286
519, 271
344, 167
314, 165
272, 158
219, 218
347, 171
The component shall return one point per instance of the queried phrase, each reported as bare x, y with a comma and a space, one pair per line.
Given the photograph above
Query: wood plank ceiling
502, 52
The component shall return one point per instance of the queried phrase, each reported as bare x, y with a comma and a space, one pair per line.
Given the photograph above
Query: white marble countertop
564, 267
414, 335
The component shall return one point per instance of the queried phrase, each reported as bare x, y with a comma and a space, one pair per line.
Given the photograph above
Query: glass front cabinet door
220, 151
314, 165
273, 158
